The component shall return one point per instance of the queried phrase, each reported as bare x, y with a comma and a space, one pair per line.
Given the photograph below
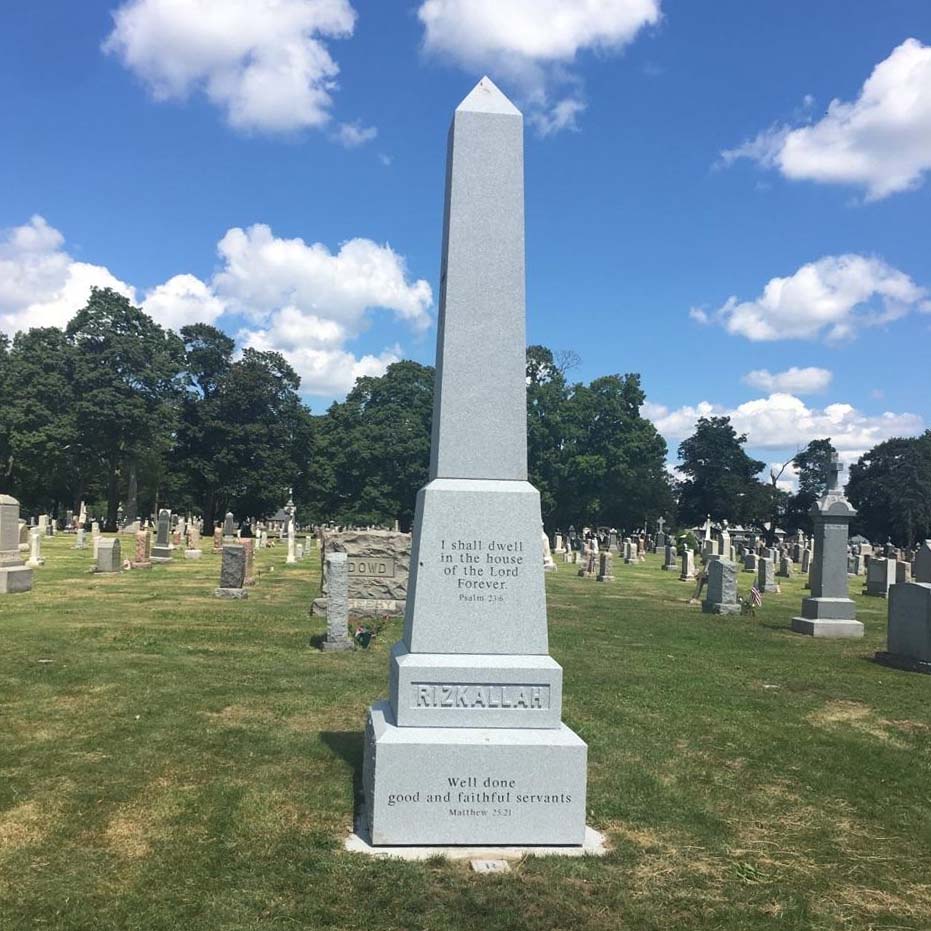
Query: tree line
117, 411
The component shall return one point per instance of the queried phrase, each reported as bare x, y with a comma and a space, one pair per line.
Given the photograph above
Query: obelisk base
828, 617
473, 786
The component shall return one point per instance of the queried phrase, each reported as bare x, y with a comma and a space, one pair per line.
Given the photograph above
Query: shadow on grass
348, 746
317, 641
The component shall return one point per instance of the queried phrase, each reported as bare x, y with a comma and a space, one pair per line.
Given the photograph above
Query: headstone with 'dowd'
336, 569
161, 552
470, 749
14, 575
830, 612
232, 572
379, 567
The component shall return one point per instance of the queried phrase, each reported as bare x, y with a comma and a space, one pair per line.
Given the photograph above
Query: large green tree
373, 449
813, 468
890, 487
126, 384
720, 478
46, 461
244, 436
614, 459
547, 396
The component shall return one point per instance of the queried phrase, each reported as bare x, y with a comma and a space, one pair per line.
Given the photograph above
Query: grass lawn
173, 761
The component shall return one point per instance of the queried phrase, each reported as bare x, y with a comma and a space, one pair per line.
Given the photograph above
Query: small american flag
756, 599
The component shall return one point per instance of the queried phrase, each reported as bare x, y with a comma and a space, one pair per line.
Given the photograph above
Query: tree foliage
889, 487
720, 478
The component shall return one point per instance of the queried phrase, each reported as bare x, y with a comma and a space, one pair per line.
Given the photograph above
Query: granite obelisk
470, 748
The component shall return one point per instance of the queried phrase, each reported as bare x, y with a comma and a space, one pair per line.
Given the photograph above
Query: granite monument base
823, 627
335, 646
161, 554
717, 607
14, 579
594, 845
230, 593
828, 617
474, 690
472, 786
899, 661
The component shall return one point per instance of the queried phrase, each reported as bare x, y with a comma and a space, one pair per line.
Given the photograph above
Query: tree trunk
113, 498
132, 492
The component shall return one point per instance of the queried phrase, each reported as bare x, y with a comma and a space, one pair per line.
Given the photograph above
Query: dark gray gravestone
232, 572
161, 552
722, 588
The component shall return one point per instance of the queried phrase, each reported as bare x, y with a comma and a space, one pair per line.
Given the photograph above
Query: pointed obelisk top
486, 98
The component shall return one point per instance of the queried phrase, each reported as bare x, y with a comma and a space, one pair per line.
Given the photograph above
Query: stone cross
834, 469
660, 523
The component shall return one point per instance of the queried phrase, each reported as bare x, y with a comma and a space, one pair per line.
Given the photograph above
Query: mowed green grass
173, 761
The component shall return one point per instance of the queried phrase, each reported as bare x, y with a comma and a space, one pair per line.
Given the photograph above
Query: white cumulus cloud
784, 421
533, 44
833, 297
41, 285
286, 295
795, 380
263, 62
307, 302
181, 300
881, 141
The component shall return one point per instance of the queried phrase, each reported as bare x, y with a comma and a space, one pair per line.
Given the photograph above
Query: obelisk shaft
480, 414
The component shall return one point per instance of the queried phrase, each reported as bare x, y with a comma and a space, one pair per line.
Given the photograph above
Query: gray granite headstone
161, 552
721, 597
766, 576
109, 560
880, 576
14, 575
606, 567
232, 572
336, 567
470, 748
921, 567
830, 612
687, 573
671, 562
909, 632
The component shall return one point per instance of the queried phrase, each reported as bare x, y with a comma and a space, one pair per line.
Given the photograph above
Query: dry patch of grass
910, 900
857, 717
23, 825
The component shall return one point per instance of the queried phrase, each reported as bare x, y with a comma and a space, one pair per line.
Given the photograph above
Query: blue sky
698, 210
